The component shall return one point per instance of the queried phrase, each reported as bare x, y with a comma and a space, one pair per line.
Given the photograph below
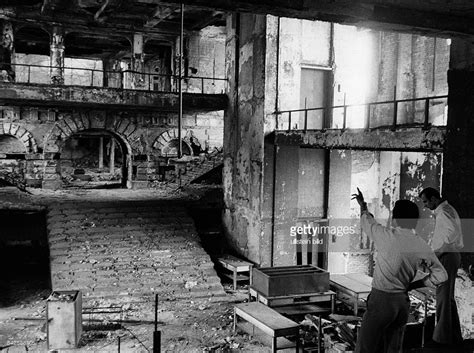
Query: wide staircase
197, 168
128, 251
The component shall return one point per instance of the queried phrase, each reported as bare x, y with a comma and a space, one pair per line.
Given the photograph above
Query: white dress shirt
447, 235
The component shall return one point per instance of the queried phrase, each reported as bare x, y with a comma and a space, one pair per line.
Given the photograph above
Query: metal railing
419, 112
126, 79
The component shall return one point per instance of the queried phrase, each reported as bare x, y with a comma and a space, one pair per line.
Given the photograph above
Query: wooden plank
266, 319
233, 263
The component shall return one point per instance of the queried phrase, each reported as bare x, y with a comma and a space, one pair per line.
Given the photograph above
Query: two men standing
401, 255
446, 242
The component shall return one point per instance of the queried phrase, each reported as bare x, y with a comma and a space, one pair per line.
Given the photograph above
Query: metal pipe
275, 147
180, 79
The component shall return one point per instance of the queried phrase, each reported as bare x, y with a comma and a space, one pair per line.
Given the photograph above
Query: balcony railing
426, 111
127, 79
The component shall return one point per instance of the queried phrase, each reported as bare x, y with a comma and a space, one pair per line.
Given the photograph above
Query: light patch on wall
357, 82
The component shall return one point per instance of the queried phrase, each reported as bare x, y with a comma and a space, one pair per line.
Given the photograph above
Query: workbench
356, 286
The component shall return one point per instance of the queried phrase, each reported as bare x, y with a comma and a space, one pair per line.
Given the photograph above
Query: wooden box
64, 310
290, 280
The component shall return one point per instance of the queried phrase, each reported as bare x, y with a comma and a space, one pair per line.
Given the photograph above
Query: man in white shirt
446, 242
401, 257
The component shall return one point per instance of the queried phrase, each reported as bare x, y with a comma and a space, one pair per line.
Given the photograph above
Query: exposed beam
161, 13
208, 20
430, 19
402, 139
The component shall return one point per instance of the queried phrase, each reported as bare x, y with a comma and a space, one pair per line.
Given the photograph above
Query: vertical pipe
344, 116
433, 82
395, 108
275, 147
180, 78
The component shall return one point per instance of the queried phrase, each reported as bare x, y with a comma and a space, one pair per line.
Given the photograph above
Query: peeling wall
244, 133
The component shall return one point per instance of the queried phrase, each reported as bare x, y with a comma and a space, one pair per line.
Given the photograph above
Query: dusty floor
202, 325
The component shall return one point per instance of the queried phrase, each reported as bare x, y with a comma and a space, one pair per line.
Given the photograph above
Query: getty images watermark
310, 233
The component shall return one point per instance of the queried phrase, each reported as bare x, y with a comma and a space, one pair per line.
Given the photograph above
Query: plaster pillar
7, 73
138, 62
57, 56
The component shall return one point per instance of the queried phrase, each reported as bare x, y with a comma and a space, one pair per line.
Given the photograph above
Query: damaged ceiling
101, 29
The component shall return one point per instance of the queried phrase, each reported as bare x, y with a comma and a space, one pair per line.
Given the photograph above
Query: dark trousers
383, 322
448, 328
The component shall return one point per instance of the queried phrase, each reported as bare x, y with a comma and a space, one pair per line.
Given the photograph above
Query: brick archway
124, 130
167, 137
21, 134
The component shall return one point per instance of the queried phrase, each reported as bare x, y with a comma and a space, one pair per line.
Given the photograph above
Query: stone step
114, 251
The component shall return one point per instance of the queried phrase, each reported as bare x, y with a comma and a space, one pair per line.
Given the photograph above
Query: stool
236, 266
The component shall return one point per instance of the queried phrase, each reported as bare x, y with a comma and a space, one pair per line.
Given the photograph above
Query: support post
57, 56
101, 152
180, 83
6, 51
112, 156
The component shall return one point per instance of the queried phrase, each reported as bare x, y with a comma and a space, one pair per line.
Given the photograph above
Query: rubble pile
338, 334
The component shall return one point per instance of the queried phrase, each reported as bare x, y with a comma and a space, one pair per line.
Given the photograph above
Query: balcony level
124, 90
417, 124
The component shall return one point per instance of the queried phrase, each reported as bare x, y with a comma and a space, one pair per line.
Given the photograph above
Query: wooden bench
269, 321
236, 267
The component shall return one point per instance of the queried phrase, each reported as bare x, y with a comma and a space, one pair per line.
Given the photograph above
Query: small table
269, 321
356, 285
236, 266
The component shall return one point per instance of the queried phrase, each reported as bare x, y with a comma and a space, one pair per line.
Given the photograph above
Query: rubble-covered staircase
197, 168
129, 250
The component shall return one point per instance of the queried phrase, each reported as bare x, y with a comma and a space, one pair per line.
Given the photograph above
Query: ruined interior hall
149, 147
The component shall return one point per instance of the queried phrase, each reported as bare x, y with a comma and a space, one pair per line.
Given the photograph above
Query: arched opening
11, 145
171, 148
95, 159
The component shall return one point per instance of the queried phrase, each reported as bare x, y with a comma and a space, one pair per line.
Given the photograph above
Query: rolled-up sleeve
436, 272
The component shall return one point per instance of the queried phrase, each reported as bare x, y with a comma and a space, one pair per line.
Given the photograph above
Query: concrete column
458, 161
244, 131
112, 156
57, 56
7, 73
138, 62
101, 152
